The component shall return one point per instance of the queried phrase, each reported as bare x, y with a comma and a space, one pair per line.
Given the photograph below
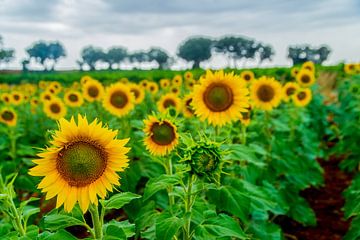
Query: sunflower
137, 91
302, 97
294, 71
309, 65
188, 75
118, 99
247, 75
17, 97
54, 109
92, 90
34, 102
349, 68
81, 163
51, 90
164, 83
124, 80
75, 85
8, 116
288, 90
161, 136
85, 79
187, 108
6, 98
143, 83
175, 90
220, 98
245, 118
177, 80
167, 101
190, 84
73, 98
305, 78
43, 84
46, 96
153, 87
266, 93
57, 86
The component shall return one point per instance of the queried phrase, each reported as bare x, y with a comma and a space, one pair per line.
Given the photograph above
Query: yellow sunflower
43, 84
8, 116
85, 78
265, 93
137, 91
81, 163
187, 108
177, 80
124, 80
161, 136
175, 90
349, 68
143, 83
245, 118
34, 102
164, 83
6, 98
190, 84
51, 90
93, 90
294, 71
188, 75
288, 90
73, 98
54, 109
17, 98
302, 97
57, 86
220, 98
152, 87
247, 75
167, 101
46, 96
309, 65
305, 78
118, 99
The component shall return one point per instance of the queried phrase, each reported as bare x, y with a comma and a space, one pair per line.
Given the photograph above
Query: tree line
195, 50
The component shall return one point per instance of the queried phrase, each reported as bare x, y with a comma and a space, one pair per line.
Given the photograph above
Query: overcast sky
139, 24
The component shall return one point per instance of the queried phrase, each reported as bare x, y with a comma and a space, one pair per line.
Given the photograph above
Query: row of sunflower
189, 148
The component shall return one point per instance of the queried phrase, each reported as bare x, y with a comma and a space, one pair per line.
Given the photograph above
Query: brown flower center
93, 91
290, 91
301, 95
245, 115
247, 77
81, 163
218, 97
265, 93
135, 92
16, 97
305, 78
55, 108
169, 103
162, 133
119, 99
73, 97
7, 115
188, 106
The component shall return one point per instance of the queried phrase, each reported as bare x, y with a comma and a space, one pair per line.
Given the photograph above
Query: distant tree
139, 57
227, 46
266, 52
80, 64
116, 55
195, 50
6, 55
24, 64
43, 52
91, 55
160, 56
303, 53
55, 52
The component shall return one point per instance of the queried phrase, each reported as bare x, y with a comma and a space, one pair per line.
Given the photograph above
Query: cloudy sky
139, 24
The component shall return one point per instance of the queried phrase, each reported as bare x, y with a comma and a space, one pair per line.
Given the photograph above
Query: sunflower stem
97, 223
169, 171
188, 205
268, 134
17, 218
243, 134
12, 143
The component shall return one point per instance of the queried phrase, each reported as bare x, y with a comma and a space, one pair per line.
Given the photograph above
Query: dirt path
327, 203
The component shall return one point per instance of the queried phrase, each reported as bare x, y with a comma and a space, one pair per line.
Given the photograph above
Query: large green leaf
219, 226
167, 226
54, 222
159, 183
118, 200
244, 153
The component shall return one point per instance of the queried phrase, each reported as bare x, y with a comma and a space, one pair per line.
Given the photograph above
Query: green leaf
125, 227
32, 231
240, 152
156, 184
112, 232
219, 226
118, 200
167, 226
54, 222
230, 199
59, 235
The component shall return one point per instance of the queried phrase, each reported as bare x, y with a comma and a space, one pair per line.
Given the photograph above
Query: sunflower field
197, 155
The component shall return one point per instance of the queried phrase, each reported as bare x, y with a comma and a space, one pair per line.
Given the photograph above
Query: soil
327, 203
